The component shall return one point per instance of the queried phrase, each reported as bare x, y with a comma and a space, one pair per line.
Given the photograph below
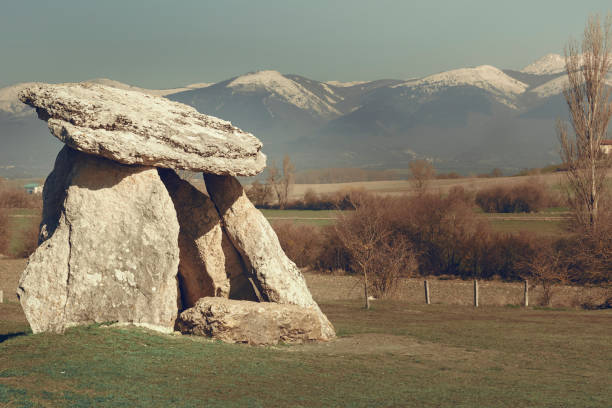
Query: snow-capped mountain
157, 92
488, 78
467, 119
10, 103
275, 85
548, 64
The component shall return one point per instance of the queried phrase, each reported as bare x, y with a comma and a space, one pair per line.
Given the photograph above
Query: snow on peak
557, 86
9, 101
157, 92
548, 64
552, 87
279, 85
485, 77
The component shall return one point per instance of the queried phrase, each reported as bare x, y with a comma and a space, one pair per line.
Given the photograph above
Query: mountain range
466, 120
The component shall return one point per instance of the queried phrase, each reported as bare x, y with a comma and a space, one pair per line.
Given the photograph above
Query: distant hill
467, 120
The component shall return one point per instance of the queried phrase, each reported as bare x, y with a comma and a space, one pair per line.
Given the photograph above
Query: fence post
427, 301
526, 294
475, 293
1, 297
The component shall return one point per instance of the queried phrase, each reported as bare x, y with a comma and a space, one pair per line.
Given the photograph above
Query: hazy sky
169, 43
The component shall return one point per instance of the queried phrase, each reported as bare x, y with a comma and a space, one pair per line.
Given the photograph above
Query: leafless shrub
301, 243
4, 231
18, 198
589, 250
545, 267
376, 252
421, 172
525, 197
260, 194
281, 182
27, 239
450, 175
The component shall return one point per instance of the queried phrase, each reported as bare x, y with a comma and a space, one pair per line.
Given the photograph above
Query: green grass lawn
530, 222
310, 217
397, 354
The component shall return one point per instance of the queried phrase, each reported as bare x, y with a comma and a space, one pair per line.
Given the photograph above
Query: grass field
546, 223
311, 217
397, 354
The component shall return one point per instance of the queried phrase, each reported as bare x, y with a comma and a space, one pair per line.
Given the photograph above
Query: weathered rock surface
235, 321
109, 248
277, 278
135, 128
209, 265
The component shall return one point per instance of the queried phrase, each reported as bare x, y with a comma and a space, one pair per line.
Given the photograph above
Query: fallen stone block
236, 321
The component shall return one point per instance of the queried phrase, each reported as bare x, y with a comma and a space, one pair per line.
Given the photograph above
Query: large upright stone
108, 248
278, 279
131, 127
209, 264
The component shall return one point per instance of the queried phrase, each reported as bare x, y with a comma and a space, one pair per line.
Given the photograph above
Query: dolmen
124, 239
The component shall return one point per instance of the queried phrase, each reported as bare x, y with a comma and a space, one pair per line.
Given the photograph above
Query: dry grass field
405, 187
327, 288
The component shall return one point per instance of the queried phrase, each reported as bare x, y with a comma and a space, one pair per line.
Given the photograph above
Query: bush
301, 243
17, 198
377, 251
447, 239
525, 197
28, 240
4, 231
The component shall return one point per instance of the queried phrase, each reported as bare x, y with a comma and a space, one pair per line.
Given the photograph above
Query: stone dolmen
125, 239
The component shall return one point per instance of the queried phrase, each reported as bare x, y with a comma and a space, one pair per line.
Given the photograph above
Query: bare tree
545, 268
422, 172
259, 193
287, 181
590, 110
376, 253
281, 183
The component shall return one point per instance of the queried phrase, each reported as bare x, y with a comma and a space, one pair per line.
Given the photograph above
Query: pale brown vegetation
529, 196
422, 172
11, 197
259, 193
281, 182
545, 267
27, 239
377, 253
4, 231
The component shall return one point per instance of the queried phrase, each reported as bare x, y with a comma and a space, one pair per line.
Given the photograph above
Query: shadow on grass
4, 337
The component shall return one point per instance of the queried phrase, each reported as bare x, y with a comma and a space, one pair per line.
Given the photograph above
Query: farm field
397, 354
311, 217
443, 185
546, 223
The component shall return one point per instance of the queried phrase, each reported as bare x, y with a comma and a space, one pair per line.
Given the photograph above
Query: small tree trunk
526, 293
475, 293
365, 289
427, 301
